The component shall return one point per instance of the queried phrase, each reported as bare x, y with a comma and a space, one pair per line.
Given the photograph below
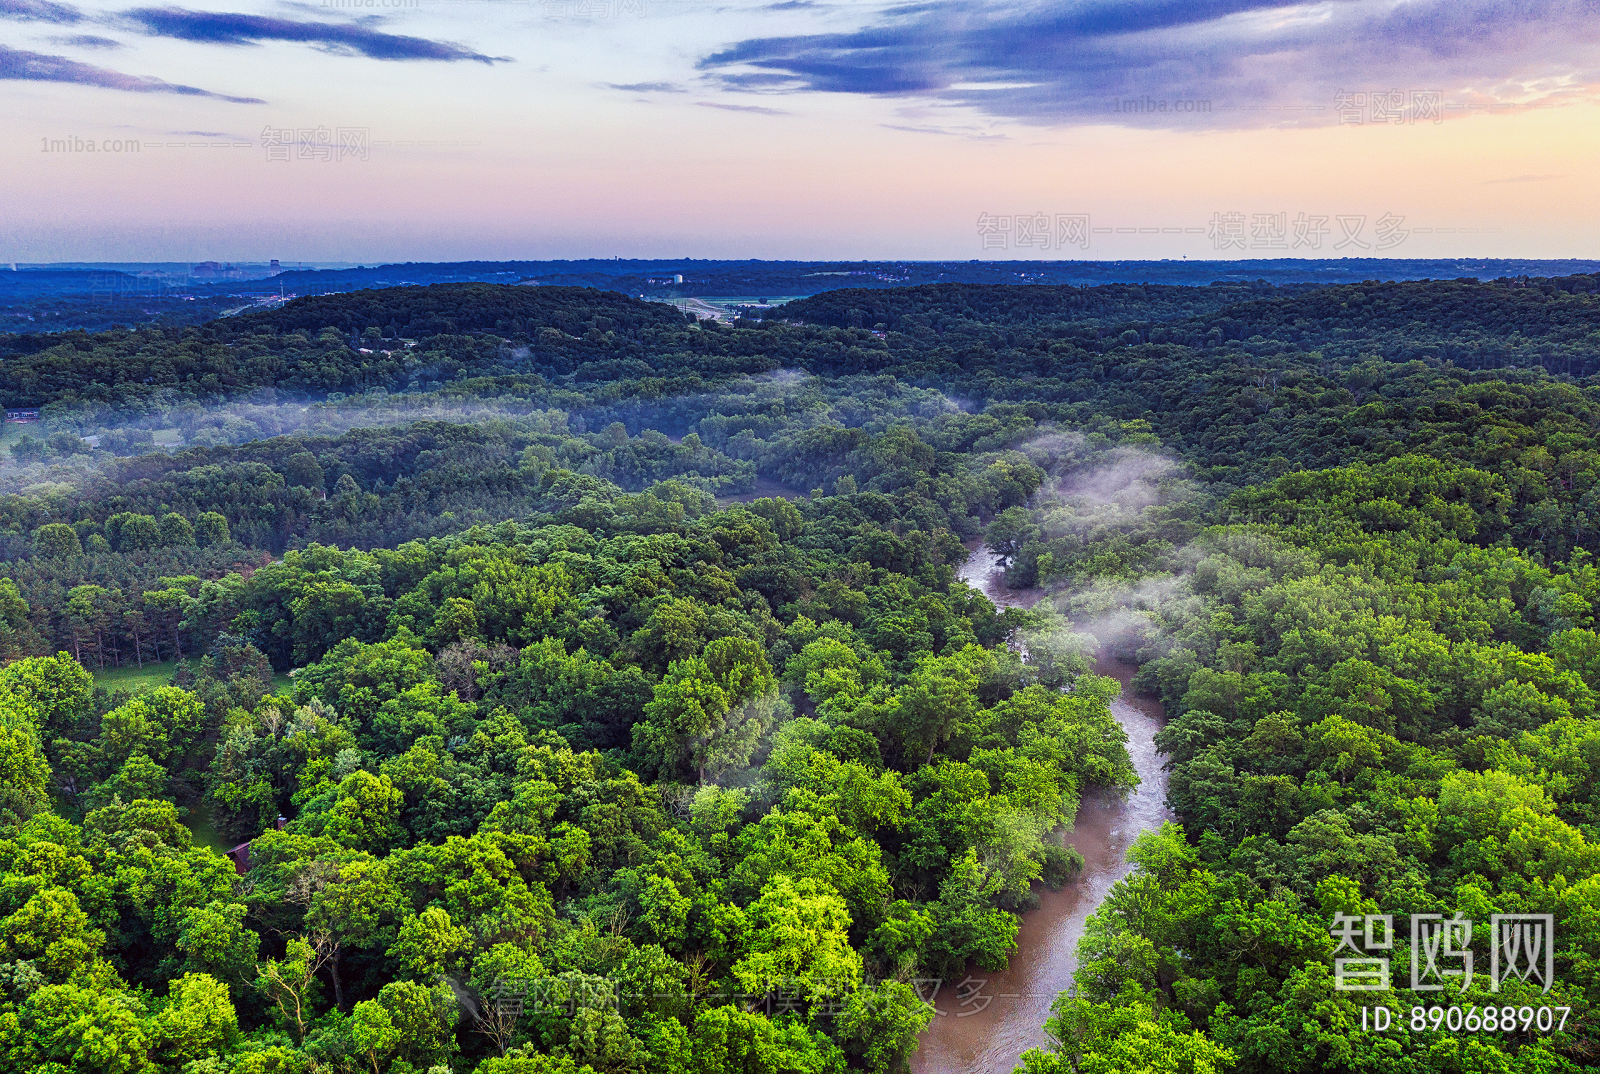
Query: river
985, 1027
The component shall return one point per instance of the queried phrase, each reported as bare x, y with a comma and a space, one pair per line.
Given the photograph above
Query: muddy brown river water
984, 1027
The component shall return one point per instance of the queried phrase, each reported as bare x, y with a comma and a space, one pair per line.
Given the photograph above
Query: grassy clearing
137, 680
134, 679
204, 828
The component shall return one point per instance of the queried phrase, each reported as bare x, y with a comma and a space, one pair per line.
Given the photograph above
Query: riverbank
983, 1025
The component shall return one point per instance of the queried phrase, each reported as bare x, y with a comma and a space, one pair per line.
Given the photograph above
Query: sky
426, 130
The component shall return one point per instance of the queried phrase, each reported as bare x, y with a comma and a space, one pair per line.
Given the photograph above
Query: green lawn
204, 829
134, 679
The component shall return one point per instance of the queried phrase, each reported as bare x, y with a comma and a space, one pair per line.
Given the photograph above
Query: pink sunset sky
454, 129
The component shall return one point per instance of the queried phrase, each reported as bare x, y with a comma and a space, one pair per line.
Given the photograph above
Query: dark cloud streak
229, 28
20, 66
646, 87
755, 108
40, 11
87, 41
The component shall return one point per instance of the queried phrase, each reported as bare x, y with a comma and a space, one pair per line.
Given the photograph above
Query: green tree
53, 932
214, 940
170, 607
941, 693
87, 614
196, 1022
162, 724
211, 529
303, 470
57, 691
17, 633
176, 531
290, 984
356, 904
24, 772
1011, 530
881, 1025
366, 813
710, 711
422, 1019
132, 532
798, 937
325, 613
967, 925
727, 1038
1130, 1035
374, 1033
79, 1030
56, 540
429, 945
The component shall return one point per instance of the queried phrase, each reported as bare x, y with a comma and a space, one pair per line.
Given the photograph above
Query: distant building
677, 279
275, 267
22, 415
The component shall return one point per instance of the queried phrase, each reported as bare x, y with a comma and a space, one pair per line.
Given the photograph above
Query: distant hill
455, 308
906, 308
1025, 343
1510, 322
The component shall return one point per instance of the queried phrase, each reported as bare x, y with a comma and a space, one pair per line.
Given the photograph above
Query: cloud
87, 41
17, 65
228, 28
1189, 63
40, 11
646, 87
941, 130
756, 108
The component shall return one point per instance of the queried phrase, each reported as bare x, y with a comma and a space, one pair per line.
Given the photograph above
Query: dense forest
587, 690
